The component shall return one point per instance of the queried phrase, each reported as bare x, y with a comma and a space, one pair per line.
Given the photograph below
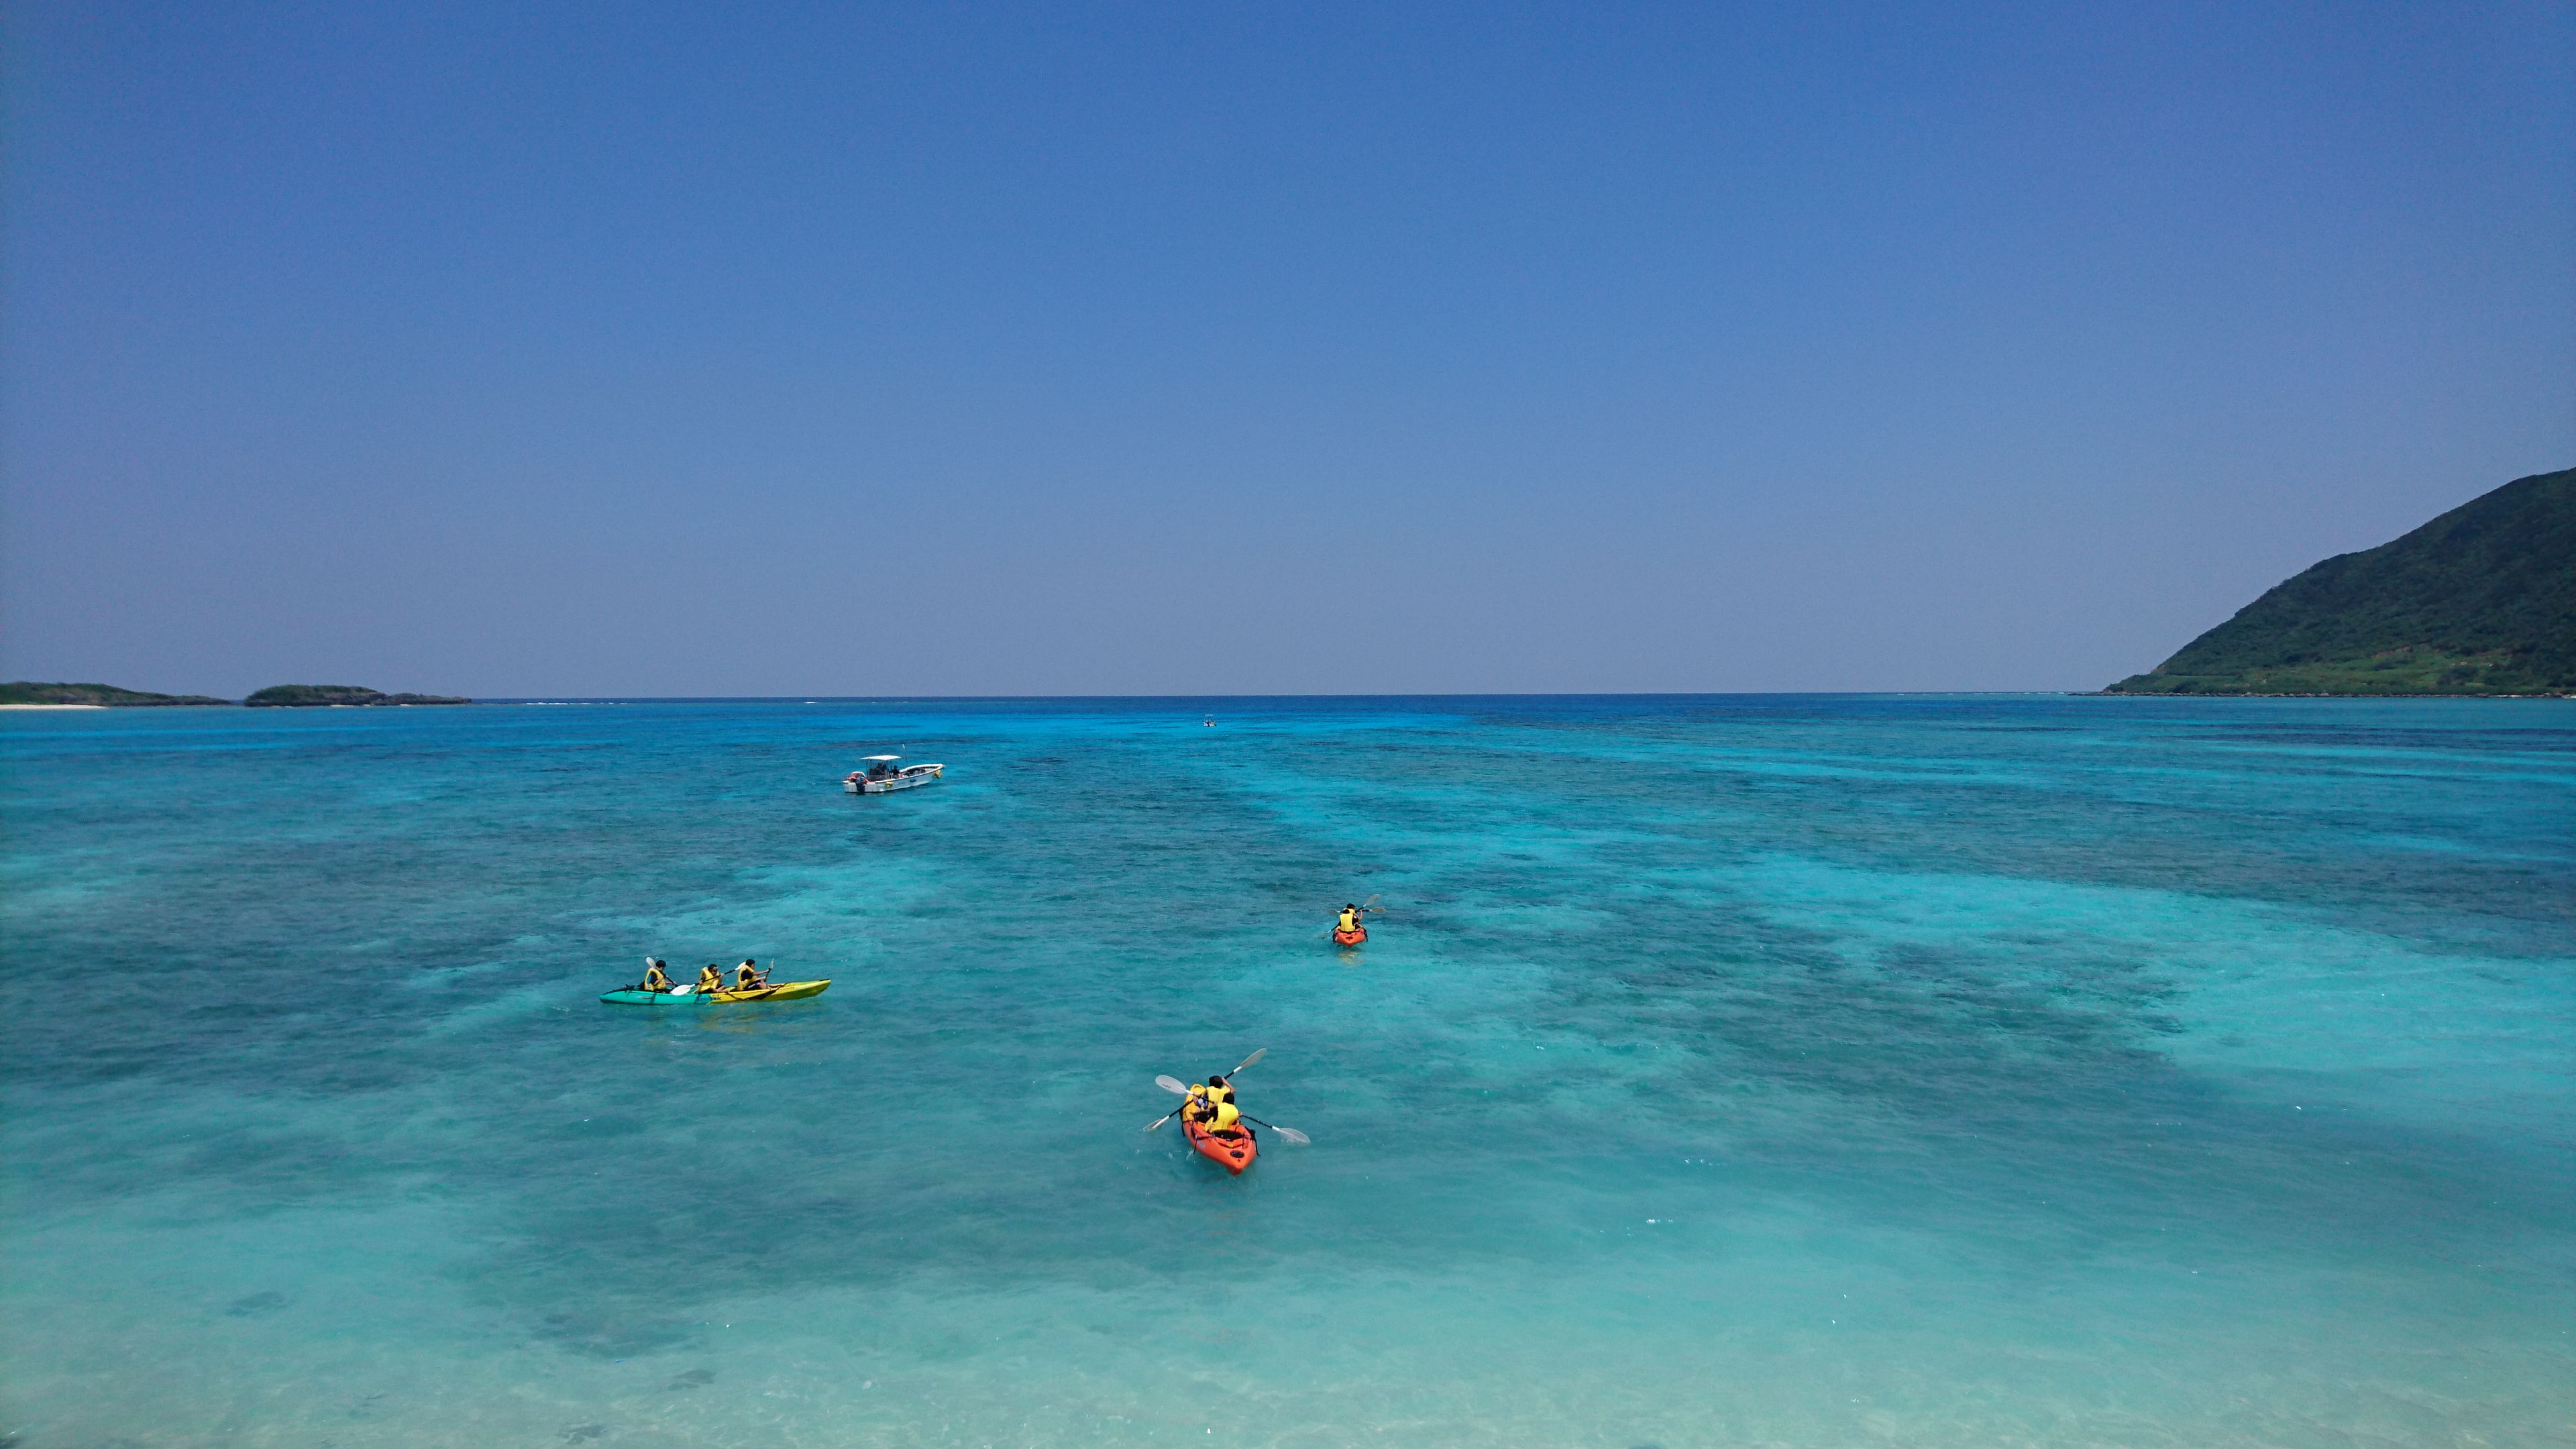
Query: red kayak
1234, 1151
1349, 938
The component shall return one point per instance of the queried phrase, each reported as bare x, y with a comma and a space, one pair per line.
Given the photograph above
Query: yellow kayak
689, 996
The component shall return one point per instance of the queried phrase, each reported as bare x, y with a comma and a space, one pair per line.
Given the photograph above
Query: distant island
307, 696
2480, 601
276, 695
28, 692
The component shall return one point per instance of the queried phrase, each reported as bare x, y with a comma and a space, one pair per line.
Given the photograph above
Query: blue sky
630, 349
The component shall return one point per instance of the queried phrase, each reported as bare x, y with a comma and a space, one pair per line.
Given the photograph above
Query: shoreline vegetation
2478, 603
28, 694
93, 696
309, 696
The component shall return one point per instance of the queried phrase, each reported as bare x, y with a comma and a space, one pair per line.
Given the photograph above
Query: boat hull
1234, 1154
783, 991
862, 785
1349, 938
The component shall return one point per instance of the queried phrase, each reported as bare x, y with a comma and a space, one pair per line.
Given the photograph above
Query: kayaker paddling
656, 988
747, 979
1211, 1106
1348, 928
1215, 1128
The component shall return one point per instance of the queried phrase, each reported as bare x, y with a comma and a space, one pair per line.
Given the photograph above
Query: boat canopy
881, 757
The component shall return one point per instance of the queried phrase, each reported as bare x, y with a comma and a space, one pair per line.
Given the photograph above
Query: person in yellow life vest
1221, 1119
747, 979
1350, 918
655, 979
1212, 1105
709, 982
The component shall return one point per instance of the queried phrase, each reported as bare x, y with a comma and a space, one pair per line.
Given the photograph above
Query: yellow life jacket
745, 979
1224, 1118
1350, 920
1221, 1094
654, 980
708, 980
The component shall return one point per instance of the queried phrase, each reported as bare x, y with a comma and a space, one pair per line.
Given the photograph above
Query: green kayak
685, 996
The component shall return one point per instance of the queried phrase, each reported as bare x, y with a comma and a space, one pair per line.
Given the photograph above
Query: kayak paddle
1370, 909
1171, 1084
1291, 1133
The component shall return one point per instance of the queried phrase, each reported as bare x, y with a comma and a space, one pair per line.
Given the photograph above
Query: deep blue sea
1805, 1071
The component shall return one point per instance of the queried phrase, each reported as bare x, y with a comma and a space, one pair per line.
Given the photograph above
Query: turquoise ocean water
1795, 1071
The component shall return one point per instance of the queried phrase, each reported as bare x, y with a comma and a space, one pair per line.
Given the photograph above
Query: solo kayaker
654, 977
710, 980
1350, 918
746, 979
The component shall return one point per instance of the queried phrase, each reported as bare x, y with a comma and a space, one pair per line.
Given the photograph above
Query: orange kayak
1349, 938
1233, 1152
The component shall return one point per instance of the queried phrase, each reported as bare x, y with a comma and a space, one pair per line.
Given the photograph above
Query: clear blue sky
1247, 348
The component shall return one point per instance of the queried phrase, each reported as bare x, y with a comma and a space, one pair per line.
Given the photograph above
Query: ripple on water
1800, 1071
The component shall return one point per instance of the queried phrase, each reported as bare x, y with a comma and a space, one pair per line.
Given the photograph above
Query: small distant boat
881, 777
691, 996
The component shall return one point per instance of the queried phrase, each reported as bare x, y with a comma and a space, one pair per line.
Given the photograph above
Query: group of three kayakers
1211, 1106
746, 977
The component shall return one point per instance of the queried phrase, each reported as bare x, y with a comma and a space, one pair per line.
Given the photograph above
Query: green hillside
2481, 600
28, 692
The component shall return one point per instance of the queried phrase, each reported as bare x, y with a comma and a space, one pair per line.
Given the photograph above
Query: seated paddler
1350, 918
1212, 1105
1221, 1117
745, 978
710, 980
655, 978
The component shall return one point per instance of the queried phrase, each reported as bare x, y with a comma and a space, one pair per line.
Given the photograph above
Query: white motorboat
886, 774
